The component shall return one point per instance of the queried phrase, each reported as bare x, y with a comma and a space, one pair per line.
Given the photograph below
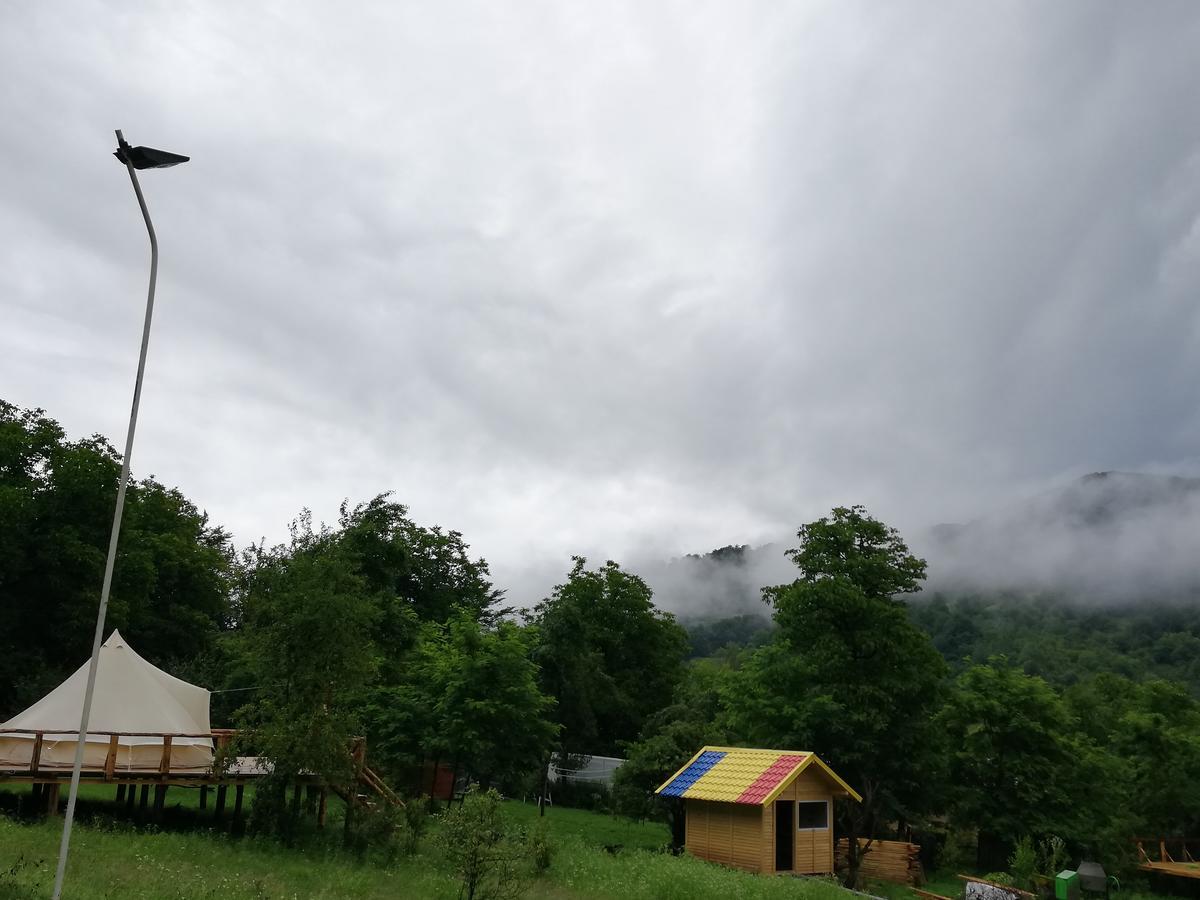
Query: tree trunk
856, 820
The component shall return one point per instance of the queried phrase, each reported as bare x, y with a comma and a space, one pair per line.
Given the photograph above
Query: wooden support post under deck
310, 799
35, 798
120, 793
238, 792
110, 761
204, 796
36, 759
131, 799
52, 799
296, 801
322, 803
160, 799
220, 810
164, 764
145, 796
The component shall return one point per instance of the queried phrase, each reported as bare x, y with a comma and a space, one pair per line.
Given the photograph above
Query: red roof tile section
769, 780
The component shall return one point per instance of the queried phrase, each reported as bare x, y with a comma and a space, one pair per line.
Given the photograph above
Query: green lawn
112, 859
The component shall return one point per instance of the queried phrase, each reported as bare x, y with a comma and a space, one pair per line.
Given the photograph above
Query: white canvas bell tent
131, 697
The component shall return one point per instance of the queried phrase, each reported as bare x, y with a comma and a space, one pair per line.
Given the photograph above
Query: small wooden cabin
764, 811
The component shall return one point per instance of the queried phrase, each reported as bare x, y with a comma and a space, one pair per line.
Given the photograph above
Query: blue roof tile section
692, 773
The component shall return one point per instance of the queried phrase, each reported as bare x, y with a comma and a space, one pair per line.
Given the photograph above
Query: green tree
669, 739
1020, 765
170, 594
307, 642
471, 698
429, 571
1153, 728
847, 675
607, 656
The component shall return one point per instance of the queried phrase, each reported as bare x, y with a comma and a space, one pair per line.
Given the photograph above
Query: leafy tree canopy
170, 593
607, 655
848, 676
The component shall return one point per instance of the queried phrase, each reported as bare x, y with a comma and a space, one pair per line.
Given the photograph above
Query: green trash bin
1066, 885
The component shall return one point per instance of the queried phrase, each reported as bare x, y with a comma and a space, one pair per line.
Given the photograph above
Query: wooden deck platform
226, 772
1175, 856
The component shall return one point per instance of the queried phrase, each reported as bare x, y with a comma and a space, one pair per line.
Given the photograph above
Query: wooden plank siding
814, 849
727, 833
743, 835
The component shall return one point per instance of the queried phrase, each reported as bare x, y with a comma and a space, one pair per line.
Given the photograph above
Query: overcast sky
617, 279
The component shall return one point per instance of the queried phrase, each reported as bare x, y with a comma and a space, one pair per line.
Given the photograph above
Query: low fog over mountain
1109, 537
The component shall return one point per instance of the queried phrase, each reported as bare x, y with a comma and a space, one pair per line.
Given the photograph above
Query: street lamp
133, 158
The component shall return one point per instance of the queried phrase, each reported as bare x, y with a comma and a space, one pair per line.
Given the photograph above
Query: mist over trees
998, 715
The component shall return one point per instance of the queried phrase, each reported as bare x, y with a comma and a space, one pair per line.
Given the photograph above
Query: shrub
541, 849
1023, 863
381, 830
482, 847
958, 851
416, 818
1053, 855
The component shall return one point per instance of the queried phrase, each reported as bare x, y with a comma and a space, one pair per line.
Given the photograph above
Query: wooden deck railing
221, 738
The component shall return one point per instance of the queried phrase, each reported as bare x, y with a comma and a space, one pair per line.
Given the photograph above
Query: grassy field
112, 859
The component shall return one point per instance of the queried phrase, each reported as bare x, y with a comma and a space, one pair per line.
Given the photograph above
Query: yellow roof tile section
730, 777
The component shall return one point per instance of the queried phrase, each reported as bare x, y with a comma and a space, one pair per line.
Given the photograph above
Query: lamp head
147, 157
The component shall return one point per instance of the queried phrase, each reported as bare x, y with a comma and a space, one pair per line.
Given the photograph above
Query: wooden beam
36, 759
164, 764
204, 796
220, 810
110, 761
322, 802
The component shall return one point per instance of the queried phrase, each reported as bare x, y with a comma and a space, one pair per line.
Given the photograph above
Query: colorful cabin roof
742, 775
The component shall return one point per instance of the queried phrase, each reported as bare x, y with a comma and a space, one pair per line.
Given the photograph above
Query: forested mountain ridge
1102, 575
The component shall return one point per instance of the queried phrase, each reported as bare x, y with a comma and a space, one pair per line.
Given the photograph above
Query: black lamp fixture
146, 157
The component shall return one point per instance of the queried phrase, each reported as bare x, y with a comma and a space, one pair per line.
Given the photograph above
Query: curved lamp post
134, 158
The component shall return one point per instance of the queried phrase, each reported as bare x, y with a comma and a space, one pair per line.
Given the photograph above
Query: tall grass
111, 859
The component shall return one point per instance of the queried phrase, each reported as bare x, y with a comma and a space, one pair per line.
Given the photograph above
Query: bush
1023, 863
541, 850
958, 852
1053, 855
416, 818
483, 849
380, 830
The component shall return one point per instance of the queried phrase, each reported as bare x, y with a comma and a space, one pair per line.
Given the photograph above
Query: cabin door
785, 834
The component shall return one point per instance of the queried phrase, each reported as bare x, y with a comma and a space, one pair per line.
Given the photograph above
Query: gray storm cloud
627, 280
1106, 538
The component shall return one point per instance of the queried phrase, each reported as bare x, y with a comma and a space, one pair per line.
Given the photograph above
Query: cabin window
812, 816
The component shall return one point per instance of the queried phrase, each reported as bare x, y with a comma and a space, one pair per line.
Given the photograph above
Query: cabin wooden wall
743, 836
729, 833
814, 849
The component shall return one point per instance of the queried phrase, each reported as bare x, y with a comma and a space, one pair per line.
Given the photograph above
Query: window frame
824, 803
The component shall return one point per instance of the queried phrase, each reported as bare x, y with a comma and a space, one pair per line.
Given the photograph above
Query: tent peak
115, 640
